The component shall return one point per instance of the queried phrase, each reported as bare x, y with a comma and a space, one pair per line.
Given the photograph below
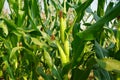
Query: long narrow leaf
80, 10
9, 70
1, 5
91, 32
100, 10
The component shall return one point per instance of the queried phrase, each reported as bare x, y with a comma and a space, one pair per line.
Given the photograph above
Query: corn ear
62, 54
62, 26
66, 48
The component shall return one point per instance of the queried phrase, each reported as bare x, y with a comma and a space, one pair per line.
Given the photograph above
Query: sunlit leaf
4, 27
109, 64
48, 59
9, 70
13, 52
36, 41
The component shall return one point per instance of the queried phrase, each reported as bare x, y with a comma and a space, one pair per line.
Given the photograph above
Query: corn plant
59, 40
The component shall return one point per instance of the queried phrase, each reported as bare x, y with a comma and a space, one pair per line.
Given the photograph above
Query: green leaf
109, 7
62, 53
117, 55
34, 8
66, 69
78, 74
13, 52
56, 5
9, 69
92, 31
97, 75
32, 11
89, 10
100, 10
48, 59
118, 37
109, 64
56, 73
10, 24
7, 45
82, 1
41, 72
96, 17
78, 47
81, 8
4, 27
1, 73
21, 18
1, 5
13, 5
45, 8
99, 51
14, 38
102, 74
36, 41
30, 55
105, 75
75, 30
87, 24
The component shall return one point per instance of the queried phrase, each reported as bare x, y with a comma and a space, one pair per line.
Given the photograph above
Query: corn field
59, 40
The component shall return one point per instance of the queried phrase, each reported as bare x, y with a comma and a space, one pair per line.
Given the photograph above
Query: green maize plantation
59, 40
